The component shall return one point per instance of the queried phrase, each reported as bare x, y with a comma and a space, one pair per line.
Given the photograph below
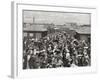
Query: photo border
16, 38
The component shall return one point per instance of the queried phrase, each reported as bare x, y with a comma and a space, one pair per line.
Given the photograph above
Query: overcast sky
56, 17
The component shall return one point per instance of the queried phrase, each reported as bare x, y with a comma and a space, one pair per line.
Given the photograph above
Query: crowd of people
55, 50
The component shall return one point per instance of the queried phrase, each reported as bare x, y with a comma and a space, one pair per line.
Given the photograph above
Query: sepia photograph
53, 39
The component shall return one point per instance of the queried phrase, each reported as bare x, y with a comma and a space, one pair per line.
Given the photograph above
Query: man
67, 60
79, 57
86, 60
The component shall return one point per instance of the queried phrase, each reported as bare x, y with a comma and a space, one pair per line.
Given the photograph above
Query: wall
84, 37
5, 39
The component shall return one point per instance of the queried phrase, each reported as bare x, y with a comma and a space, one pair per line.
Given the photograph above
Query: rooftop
34, 27
83, 30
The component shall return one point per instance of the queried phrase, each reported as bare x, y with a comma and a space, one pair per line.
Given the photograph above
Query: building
38, 30
34, 30
84, 32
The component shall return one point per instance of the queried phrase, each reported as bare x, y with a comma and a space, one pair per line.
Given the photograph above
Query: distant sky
56, 17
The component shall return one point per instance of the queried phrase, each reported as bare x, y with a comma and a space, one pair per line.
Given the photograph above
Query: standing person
54, 62
74, 54
49, 55
86, 60
25, 61
67, 60
79, 57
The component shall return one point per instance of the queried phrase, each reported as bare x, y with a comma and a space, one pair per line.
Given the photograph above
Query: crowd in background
55, 50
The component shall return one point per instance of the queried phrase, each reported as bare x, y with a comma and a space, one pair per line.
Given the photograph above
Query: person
66, 57
79, 57
54, 62
25, 61
86, 57
56, 50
